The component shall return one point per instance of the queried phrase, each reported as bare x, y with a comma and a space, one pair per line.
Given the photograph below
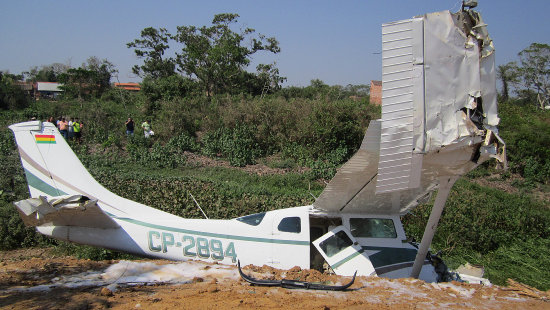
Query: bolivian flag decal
48, 139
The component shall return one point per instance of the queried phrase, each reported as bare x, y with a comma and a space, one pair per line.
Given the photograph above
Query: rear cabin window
290, 224
253, 219
372, 228
336, 243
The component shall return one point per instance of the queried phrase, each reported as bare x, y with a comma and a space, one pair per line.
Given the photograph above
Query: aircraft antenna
309, 188
198, 205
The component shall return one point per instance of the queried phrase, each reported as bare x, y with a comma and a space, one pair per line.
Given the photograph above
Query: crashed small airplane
439, 118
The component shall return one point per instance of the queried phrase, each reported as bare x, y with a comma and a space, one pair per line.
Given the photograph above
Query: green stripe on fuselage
209, 234
347, 259
390, 256
42, 186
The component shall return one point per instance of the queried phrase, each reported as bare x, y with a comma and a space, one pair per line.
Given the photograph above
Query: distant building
376, 92
128, 86
49, 90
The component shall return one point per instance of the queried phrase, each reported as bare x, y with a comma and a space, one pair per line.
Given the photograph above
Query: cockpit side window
253, 219
372, 228
290, 224
336, 243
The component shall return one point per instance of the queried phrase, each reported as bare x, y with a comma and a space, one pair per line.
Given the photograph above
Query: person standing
64, 128
130, 126
147, 129
77, 127
71, 128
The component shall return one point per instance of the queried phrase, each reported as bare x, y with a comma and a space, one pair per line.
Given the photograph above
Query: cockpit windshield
253, 219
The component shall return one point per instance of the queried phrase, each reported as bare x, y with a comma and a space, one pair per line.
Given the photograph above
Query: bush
181, 143
167, 88
11, 95
526, 131
89, 252
13, 233
13, 187
481, 219
176, 117
238, 145
153, 154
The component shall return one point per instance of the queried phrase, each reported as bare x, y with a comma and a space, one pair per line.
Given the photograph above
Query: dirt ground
28, 277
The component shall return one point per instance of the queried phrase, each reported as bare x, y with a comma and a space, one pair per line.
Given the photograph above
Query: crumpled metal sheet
459, 66
425, 134
71, 210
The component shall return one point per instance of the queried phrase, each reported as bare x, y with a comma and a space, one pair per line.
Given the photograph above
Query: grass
506, 233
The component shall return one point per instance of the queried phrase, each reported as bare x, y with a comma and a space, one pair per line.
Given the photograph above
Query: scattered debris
295, 284
526, 290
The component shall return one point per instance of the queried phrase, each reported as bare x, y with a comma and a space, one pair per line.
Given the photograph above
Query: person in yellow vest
77, 128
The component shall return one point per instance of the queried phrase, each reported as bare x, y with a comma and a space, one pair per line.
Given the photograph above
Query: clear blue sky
335, 41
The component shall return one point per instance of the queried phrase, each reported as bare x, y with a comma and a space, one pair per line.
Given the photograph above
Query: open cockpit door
343, 253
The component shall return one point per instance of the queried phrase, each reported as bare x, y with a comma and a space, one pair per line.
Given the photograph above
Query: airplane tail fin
438, 92
51, 167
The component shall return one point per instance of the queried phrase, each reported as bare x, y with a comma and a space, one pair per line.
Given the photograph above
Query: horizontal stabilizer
75, 210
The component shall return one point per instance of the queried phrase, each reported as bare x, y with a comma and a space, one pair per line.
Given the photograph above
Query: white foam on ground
129, 273
398, 289
468, 293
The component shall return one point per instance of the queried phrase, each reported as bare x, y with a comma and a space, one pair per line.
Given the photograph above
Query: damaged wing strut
294, 283
445, 185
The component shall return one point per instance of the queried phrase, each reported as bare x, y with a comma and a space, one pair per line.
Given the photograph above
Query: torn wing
70, 210
353, 188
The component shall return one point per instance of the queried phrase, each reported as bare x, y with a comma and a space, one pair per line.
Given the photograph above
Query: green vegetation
528, 138
11, 96
506, 233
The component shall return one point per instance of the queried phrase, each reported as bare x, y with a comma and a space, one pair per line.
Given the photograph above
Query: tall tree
101, 74
46, 73
151, 47
535, 71
269, 76
93, 78
216, 56
508, 75
76, 82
